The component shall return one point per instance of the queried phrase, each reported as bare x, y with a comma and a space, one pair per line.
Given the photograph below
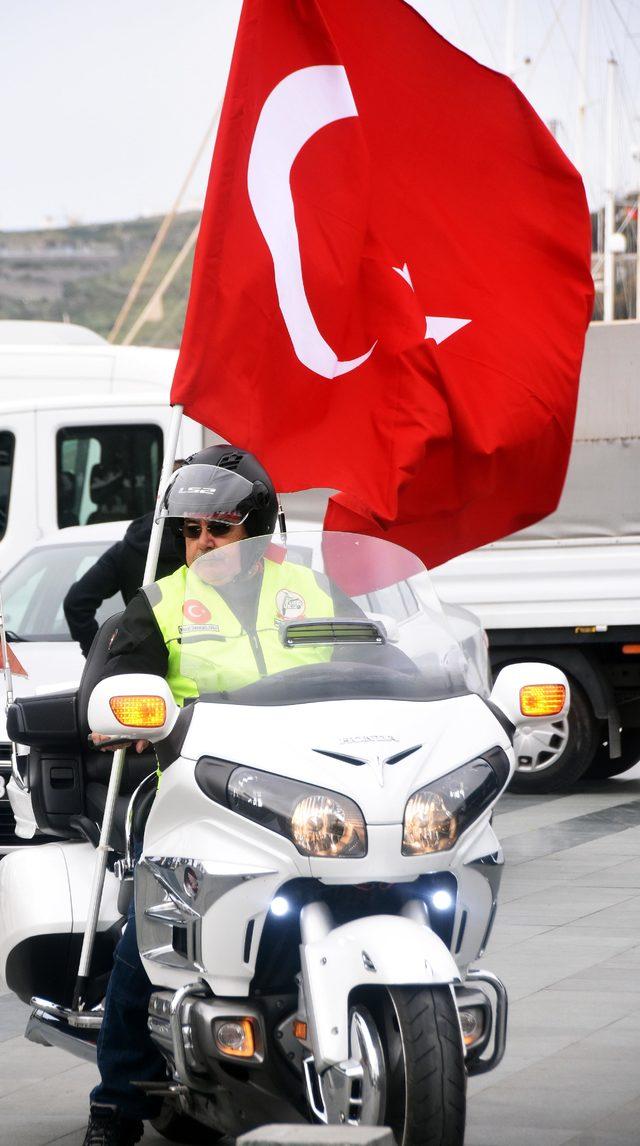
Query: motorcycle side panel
44, 890
381, 950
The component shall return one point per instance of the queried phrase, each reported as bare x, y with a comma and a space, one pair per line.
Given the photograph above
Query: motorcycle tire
582, 740
426, 1077
178, 1127
602, 767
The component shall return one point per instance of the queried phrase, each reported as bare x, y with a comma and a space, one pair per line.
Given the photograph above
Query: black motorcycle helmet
247, 495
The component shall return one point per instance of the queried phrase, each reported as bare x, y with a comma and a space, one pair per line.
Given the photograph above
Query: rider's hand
98, 737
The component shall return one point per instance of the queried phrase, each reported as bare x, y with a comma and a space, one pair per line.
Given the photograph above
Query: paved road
567, 944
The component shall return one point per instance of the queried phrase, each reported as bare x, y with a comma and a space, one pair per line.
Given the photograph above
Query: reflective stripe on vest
209, 651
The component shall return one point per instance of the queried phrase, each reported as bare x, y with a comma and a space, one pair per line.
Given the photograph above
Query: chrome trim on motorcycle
482, 1065
183, 1071
150, 782
177, 890
44, 1030
83, 1020
314, 1090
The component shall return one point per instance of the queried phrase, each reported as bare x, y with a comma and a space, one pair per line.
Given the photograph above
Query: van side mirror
134, 706
530, 691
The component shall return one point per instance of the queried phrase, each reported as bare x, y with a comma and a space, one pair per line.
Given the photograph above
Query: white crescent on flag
299, 106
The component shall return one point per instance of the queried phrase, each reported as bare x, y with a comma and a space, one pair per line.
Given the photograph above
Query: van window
107, 473
7, 447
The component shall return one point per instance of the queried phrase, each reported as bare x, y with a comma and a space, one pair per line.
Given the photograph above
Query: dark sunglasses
193, 529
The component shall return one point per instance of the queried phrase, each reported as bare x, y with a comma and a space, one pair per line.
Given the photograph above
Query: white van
83, 426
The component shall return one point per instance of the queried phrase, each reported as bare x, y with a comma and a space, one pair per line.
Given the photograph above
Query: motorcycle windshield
319, 616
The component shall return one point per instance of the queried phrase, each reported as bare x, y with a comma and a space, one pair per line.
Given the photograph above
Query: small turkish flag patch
196, 612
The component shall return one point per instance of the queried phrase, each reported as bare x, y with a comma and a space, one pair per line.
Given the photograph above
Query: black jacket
120, 569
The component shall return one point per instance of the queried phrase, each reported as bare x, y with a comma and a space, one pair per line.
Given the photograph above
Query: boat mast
583, 63
510, 38
609, 197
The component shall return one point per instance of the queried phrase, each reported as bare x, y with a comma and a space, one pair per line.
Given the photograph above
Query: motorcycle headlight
318, 822
437, 814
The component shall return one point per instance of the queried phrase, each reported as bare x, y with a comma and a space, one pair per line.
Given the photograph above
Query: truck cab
82, 430
566, 591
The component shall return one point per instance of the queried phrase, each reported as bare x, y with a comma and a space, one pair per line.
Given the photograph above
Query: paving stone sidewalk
566, 943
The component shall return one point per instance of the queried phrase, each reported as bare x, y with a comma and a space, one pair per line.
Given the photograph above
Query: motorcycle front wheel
422, 1097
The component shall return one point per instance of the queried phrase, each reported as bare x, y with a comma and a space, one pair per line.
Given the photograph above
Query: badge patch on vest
196, 612
290, 606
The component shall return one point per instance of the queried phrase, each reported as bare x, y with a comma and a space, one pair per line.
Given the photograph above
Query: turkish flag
391, 284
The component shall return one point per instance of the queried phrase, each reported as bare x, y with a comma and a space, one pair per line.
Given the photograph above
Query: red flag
391, 284
14, 664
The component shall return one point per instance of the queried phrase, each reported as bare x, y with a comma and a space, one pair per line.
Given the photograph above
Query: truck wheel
603, 767
552, 755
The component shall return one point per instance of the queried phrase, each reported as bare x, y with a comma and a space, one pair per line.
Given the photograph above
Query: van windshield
33, 591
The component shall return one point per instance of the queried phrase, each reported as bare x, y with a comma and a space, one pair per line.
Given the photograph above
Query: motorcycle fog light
235, 1037
323, 826
472, 1023
429, 825
279, 905
441, 900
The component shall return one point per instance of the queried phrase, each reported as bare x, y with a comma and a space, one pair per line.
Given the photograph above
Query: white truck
567, 590
82, 430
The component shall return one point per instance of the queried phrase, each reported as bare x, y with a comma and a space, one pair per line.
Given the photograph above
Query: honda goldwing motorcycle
319, 870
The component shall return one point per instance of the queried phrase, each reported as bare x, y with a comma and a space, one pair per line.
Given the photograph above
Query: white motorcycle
319, 870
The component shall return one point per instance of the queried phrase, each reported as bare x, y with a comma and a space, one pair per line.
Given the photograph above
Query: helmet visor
210, 492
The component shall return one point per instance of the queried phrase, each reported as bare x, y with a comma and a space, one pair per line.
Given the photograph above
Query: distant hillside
83, 274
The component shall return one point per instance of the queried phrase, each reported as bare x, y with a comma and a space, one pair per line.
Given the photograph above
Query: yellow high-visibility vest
210, 651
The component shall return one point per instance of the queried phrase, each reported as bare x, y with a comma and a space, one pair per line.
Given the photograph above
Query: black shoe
108, 1127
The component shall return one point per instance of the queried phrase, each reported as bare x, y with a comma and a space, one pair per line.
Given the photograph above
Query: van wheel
603, 767
552, 755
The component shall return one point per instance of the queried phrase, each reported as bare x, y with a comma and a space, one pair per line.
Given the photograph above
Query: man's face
205, 541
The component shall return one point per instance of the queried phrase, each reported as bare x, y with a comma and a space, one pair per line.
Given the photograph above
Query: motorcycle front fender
377, 951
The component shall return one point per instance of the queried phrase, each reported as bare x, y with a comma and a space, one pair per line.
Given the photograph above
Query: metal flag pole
104, 847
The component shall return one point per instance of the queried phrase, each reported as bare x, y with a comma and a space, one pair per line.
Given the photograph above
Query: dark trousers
126, 1052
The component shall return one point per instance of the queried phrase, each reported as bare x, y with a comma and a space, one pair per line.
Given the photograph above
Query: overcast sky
106, 101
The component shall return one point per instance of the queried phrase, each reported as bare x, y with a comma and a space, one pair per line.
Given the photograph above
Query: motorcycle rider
222, 495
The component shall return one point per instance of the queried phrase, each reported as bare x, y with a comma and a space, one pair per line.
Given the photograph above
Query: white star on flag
437, 327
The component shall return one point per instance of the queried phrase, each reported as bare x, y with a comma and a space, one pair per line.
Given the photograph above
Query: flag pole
155, 539
104, 847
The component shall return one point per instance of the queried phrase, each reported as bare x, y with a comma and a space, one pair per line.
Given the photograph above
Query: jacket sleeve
86, 595
137, 644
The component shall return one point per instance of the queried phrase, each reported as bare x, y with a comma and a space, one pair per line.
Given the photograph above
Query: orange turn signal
542, 699
139, 711
300, 1030
235, 1037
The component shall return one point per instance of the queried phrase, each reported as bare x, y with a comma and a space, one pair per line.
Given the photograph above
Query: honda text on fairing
319, 871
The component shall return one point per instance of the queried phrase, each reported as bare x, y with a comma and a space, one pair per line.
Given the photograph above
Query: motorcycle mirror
133, 706
529, 691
